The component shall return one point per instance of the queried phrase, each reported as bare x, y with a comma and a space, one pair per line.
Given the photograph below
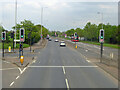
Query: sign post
101, 40
3, 39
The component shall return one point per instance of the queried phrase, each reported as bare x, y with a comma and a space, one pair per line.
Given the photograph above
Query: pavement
61, 67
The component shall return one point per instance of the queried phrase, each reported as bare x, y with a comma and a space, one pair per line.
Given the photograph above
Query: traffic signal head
22, 34
3, 36
101, 37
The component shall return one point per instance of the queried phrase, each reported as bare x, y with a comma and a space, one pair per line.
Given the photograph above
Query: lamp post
42, 8
15, 20
101, 18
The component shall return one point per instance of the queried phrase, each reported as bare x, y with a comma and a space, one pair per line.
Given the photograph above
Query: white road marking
86, 50
63, 69
21, 71
63, 66
6, 61
67, 83
17, 77
34, 61
88, 61
8, 68
12, 83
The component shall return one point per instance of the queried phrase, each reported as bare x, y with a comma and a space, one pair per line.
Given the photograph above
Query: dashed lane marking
88, 61
12, 83
63, 69
17, 77
67, 83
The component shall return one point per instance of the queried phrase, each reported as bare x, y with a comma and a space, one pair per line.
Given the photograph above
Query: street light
15, 20
101, 17
42, 8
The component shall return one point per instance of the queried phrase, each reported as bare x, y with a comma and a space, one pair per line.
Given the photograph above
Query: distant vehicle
74, 38
56, 40
47, 37
50, 39
62, 43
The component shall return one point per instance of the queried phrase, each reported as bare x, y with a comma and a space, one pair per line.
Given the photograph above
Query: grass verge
97, 43
6, 45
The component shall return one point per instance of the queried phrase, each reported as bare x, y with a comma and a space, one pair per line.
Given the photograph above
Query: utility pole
15, 20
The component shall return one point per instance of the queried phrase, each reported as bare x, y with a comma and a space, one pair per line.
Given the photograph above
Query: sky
59, 15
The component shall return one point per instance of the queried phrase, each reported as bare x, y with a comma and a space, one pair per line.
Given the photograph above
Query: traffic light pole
22, 48
101, 51
3, 49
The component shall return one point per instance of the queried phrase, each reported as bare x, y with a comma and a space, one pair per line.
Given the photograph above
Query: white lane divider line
12, 83
17, 77
63, 69
67, 83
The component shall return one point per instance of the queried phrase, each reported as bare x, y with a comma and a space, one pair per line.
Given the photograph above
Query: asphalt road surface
62, 67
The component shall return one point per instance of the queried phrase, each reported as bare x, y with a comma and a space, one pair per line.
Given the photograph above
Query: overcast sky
58, 15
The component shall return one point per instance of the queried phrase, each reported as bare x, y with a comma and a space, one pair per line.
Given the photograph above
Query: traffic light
3, 36
22, 34
12, 34
101, 37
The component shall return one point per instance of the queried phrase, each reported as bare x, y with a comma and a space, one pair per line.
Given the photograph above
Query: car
62, 43
50, 39
56, 40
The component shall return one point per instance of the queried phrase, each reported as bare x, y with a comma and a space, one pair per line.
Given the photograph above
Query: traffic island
16, 61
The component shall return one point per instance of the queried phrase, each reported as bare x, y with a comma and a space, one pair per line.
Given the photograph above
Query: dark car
50, 39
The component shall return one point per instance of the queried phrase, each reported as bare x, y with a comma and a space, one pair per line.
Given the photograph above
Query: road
62, 67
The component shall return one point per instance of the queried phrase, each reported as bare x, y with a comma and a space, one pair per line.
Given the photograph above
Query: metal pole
30, 41
41, 21
22, 48
15, 20
101, 49
13, 41
3, 49
102, 20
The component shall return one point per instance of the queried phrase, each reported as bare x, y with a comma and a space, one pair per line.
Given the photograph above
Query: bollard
76, 46
9, 49
22, 60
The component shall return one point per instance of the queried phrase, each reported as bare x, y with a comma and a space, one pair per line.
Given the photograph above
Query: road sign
22, 34
3, 36
101, 36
